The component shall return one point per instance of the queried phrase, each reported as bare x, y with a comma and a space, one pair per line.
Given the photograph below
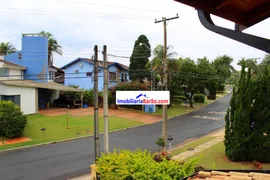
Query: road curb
82, 137
202, 136
65, 140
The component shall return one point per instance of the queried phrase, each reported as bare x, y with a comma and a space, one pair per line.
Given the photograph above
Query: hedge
200, 98
139, 164
12, 120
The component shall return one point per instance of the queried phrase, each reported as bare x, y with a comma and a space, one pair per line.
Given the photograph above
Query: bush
73, 95
137, 165
12, 120
221, 87
110, 99
88, 97
200, 98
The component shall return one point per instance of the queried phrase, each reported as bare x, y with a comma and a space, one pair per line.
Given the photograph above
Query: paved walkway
85, 177
121, 113
219, 137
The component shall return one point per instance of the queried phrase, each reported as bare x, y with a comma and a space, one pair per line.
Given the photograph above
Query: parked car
66, 102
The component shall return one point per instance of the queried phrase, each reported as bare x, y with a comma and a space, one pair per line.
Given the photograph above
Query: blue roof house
80, 72
27, 79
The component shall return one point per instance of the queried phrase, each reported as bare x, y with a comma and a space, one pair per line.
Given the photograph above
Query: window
3, 72
89, 74
112, 76
51, 75
16, 99
126, 78
19, 55
122, 77
76, 71
21, 74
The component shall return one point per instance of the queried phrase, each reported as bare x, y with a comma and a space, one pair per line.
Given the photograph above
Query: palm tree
7, 48
156, 64
53, 46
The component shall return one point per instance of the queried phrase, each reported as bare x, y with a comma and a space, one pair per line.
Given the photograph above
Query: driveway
121, 113
68, 159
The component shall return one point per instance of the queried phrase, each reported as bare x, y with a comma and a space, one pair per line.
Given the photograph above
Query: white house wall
15, 74
28, 97
54, 95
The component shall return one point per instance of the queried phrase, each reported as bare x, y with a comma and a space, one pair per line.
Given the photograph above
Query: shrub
73, 95
12, 120
137, 165
199, 98
88, 97
221, 87
110, 99
160, 142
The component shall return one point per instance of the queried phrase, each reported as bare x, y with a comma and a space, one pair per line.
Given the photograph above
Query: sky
79, 25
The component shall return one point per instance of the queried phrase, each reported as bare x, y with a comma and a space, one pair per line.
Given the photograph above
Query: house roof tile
99, 61
229, 175
33, 84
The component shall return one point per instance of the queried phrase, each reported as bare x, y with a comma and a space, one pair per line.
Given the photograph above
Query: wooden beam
230, 14
225, 3
260, 13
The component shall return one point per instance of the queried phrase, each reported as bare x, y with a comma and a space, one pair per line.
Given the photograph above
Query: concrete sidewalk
84, 177
219, 137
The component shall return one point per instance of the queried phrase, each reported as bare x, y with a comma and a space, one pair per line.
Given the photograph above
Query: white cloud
79, 25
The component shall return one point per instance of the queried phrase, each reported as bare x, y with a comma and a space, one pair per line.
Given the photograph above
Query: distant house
80, 72
26, 79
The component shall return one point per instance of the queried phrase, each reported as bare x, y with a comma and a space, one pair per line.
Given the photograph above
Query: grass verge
214, 158
191, 144
56, 128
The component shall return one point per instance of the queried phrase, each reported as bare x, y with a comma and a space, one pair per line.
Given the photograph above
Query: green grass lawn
214, 158
56, 128
191, 144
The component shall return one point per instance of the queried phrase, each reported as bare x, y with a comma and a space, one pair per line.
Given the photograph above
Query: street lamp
142, 44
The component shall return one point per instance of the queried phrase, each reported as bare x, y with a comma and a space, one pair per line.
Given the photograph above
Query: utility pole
165, 79
105, 101
96, 122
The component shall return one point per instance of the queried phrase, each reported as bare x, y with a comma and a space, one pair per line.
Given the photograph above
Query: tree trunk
190, 101
49, 57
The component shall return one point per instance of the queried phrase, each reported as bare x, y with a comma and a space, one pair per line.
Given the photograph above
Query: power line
90, 77
80, 14
112, 6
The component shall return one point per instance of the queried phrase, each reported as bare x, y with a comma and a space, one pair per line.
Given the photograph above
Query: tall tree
224, 69
156, 64
208, 76
7, 48
139, 59
190, 82
247, 136
266, 60
53, 46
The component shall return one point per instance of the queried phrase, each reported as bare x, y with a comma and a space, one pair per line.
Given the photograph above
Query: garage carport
37, 95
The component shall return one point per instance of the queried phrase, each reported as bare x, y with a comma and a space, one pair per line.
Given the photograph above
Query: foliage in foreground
12, 120
247, 133
140, 165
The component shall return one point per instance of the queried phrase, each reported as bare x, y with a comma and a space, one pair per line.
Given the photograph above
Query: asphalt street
72, 158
